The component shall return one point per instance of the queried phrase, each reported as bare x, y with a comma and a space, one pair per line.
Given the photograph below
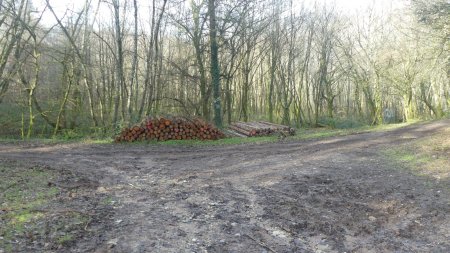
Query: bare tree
11, 31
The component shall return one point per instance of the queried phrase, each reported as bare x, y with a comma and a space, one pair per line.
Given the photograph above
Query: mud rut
331, 195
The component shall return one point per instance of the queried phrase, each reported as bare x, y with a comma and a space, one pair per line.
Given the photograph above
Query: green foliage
349, 123
341, 123
70, 134
65, 239
117, 128
84, 135
10, 119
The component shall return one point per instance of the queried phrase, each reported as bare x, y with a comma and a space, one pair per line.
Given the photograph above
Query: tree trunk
121, 90
215, 69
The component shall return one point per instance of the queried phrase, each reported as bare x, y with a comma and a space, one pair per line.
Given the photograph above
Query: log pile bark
170, 128
258, 128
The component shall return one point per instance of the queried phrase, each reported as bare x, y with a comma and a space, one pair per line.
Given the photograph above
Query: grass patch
318, 133
429, 157
302, 134
55, 141
65, 239
27, 209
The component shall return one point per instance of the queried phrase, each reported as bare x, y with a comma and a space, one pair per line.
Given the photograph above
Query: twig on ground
261, 243
62, 211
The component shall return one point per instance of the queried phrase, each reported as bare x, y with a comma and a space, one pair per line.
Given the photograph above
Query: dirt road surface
330, 195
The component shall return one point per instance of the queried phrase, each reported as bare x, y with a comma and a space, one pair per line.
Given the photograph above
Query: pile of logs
260, 128
169, 128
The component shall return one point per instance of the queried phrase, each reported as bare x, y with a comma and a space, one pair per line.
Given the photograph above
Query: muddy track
330, 195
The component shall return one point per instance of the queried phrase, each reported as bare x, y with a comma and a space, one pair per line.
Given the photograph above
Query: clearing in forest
371, 192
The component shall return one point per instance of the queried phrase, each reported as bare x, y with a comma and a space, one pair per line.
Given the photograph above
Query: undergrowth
100, 137
428, 157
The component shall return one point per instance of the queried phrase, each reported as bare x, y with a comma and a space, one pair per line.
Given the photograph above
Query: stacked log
276, 127
169, 128
255, 129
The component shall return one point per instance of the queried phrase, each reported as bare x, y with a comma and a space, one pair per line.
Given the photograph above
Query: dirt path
331, 195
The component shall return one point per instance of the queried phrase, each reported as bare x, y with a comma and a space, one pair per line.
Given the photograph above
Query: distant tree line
112, 62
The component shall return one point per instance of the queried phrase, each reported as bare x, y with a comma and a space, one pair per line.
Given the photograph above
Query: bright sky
346, 6
60, 7
353, 6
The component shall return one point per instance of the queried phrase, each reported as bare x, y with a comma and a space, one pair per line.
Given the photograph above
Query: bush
341, 123
70, 134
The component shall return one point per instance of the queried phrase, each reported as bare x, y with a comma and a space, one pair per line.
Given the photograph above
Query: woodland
104, 65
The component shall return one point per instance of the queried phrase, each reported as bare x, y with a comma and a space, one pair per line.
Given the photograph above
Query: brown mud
336, 194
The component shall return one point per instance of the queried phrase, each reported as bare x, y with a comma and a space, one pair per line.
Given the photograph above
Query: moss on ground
27, 213
428, 157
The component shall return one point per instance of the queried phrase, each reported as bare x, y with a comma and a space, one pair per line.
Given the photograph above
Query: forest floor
385, 191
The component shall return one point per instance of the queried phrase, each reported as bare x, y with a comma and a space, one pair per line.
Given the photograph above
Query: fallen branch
261, 243
61, 211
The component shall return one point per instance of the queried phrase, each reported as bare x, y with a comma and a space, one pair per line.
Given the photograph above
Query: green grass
27, 204
108, 201
302, 134
65, 239
428, 157
317, 133
22, 193
54, 141
406, 156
